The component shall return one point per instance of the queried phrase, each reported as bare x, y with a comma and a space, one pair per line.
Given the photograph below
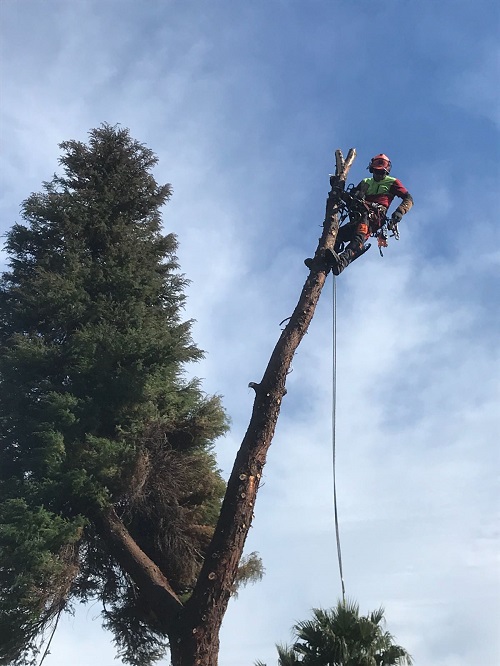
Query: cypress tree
108, 484
109, 487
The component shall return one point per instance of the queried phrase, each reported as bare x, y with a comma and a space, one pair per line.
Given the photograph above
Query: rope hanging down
334, 410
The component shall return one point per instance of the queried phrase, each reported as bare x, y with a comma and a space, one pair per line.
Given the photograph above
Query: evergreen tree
108, 483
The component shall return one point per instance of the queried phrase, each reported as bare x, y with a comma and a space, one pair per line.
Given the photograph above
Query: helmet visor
380, 163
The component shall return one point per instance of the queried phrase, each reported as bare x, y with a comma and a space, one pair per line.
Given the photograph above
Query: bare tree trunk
197, 643
193, 629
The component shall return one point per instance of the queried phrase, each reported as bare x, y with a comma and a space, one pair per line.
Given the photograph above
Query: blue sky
245, 104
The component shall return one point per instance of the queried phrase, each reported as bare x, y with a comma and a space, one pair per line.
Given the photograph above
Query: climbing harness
382, 236
389, 228
354, 207
351, 206
334, 414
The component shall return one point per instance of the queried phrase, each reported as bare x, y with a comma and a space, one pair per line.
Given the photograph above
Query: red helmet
381, 162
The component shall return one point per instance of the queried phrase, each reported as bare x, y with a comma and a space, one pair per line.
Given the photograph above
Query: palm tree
341, 637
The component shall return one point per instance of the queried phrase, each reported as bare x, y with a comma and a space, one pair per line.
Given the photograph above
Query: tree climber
372, 197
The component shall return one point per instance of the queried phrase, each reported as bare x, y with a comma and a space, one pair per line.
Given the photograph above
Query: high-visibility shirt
383, 192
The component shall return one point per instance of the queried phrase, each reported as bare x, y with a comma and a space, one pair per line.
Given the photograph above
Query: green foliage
250, 570
37, 568
95, 408
343, 637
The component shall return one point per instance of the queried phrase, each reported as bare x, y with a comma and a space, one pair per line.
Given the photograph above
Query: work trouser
352, 236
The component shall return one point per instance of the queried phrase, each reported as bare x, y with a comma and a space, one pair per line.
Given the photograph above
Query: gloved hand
395, 219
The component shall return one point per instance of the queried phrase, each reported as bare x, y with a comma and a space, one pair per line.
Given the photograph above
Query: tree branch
343, 166
143, 571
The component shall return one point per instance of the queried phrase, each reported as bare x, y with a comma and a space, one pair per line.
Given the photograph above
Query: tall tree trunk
193, 629
197, 644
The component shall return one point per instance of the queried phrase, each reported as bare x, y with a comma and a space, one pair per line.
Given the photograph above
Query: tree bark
197, 643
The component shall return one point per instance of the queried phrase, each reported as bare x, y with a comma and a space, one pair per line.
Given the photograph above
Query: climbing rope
47, 649
334, 413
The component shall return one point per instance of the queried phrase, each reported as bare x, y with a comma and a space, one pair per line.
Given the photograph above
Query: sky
245, 104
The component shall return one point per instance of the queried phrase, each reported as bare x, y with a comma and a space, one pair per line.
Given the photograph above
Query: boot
340, 261
320, 262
